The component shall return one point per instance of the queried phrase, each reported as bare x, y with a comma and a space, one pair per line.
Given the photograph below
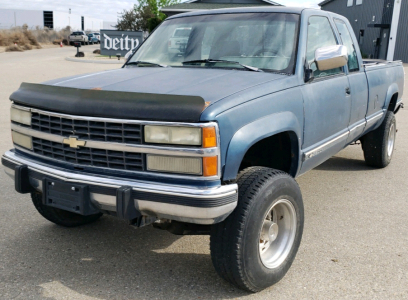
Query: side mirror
331, 57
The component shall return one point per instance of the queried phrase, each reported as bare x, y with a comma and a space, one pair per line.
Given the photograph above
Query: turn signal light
209, 137
210, 166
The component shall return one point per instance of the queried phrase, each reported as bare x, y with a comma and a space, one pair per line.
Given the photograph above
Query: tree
145, 16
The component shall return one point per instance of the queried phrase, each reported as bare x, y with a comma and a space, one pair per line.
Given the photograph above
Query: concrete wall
64, 19
93, 24
16, 17
11, 18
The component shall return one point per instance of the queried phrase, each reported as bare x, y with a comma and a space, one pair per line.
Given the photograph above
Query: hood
156, 94
209, 84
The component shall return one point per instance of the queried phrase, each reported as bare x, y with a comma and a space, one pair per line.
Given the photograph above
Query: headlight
174, 164
20, 116
22, 140
173, 135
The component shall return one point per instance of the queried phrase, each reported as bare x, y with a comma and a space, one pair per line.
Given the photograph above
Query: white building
51, 19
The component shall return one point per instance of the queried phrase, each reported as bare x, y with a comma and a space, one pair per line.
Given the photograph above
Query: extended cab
208, 141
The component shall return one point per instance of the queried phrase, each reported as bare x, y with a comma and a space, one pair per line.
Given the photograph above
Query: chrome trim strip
146, 173
357, 126
187, 214
172, 151
20, 107
126, 121
201, 193
374, 118
320, 149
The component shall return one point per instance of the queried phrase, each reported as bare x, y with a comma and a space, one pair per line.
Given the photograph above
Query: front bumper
197, 205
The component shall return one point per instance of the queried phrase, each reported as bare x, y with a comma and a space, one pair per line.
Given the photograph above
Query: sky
107, 10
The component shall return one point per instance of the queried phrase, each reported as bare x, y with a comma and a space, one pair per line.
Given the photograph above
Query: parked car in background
178, 41
97, 35
93, 39
79, 36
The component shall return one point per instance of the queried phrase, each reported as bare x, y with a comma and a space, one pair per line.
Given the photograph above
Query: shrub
27, 47
97, 51
27, 39
14, 48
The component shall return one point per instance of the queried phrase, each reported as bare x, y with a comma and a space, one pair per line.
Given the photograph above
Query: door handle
348, 91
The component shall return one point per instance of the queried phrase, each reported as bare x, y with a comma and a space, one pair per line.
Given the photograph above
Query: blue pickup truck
208, 141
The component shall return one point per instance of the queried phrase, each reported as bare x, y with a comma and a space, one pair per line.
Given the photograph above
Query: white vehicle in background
178, 41
79, 36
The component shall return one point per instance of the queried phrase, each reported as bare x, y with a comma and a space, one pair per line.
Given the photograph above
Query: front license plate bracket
68, 196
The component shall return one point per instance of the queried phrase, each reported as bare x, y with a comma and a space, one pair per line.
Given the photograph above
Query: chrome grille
89, 156
89, 130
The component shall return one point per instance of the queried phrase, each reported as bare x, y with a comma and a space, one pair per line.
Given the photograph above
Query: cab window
348, 42
320, 34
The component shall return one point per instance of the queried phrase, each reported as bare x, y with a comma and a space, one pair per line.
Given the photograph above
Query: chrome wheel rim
277, 233
391, 140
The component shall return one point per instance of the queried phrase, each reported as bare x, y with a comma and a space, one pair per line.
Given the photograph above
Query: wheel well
393, 102
279, 152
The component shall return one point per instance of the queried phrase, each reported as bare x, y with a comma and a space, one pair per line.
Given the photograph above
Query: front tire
378, 145
256, 245
59, 216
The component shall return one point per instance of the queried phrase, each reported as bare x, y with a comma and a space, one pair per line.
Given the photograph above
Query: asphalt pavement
355, 242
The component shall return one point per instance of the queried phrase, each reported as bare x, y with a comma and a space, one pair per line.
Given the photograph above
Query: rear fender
392, 90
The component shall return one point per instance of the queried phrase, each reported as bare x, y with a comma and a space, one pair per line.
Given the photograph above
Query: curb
94, 61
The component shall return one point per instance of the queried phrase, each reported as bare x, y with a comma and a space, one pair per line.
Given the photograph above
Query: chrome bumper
180, 203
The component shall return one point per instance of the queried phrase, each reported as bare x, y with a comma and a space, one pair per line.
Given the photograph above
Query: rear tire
378, 145
59, 216
256, 245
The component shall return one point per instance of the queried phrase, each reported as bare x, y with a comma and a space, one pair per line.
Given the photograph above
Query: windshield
262, 40
77, 33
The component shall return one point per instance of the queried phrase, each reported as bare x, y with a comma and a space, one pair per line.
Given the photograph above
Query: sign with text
115, 42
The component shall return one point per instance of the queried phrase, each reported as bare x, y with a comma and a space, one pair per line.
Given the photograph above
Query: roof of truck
272, 9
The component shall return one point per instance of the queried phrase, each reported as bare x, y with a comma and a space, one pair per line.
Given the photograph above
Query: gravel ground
354, 244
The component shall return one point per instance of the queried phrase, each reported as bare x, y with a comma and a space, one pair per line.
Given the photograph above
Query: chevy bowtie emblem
73, 142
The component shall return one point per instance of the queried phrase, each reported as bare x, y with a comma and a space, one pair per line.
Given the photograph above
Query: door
384, 39
358, 83
327, 102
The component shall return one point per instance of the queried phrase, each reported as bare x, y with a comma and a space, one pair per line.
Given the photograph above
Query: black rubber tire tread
226, 237
375, 143
59, 216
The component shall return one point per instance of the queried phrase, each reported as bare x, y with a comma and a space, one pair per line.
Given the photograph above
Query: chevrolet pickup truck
209, 141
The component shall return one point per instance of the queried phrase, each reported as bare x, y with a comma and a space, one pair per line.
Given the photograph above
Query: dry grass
22, 38
14, 48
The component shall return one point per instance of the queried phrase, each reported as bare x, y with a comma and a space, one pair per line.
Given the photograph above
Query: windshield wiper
210, 60
139, 62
